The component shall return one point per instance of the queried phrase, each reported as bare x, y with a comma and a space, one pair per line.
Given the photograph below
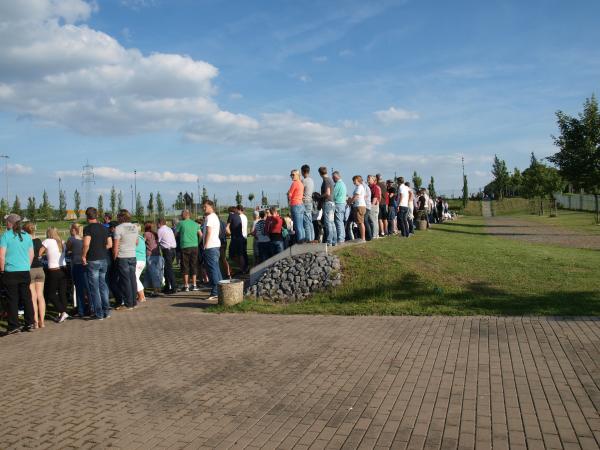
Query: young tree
150, 206
501, 177
540, 182
578, 158
120, 201
31, 209
417, 181
465, 191
4, 210
264, 201
250, 197
113, 201
160, 206
62, 205
77, 202
431, 189
516, 183
100, 205
45, 210
238, 198
204, 195
139, 208
16, 207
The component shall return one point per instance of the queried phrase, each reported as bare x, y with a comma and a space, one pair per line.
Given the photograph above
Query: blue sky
234, 94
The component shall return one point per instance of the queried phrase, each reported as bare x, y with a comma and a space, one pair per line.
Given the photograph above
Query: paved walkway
168, 375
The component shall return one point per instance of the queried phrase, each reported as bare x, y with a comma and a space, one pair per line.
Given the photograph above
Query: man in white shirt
212, 246
168, 246
403, 199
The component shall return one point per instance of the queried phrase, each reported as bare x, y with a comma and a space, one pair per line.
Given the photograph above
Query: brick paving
168, 375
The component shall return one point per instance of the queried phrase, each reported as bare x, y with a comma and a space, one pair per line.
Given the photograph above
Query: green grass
575, 220
455, 269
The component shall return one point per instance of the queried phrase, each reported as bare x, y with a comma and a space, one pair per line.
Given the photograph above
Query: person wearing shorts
189, 233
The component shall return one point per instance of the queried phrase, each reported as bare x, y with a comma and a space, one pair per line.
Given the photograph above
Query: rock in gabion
298, 277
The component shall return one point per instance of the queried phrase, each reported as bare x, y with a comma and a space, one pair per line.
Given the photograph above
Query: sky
232, 95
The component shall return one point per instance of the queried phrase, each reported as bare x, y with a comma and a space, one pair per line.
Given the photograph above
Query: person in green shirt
189, 233
140, 264
339, 198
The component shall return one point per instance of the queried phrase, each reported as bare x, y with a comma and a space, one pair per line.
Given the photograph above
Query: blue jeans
98, 289
309, 229
298, 218
276, 247
81, 286
328, 217
403, 221
154, 271
340, 215
211, 257
127, 281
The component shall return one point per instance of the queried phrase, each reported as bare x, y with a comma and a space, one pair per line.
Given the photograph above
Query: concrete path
168, 375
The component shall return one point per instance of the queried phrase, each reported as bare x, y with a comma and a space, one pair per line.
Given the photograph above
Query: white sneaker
213, 297
63, 316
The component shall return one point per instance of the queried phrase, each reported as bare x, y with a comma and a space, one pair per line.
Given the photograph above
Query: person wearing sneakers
212, 246
56, 275
124, 245
188, 232
16, 255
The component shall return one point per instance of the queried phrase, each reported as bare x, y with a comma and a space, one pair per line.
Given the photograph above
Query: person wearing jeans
327, 187
295, 198
212, 247
168, 245
307, 200
403, 199
339, 198
96, 242
375, 201
125, 243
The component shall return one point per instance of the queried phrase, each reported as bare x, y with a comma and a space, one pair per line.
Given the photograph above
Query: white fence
580, 202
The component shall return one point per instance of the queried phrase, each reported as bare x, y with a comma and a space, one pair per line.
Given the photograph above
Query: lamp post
135, 183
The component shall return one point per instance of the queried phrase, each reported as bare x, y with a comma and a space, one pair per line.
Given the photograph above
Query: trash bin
231, 292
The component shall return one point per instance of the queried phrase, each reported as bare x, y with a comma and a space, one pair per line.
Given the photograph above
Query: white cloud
19, 169
220, 178
136, 5
429, 159
236, 96
392, 114
59, 72
320, 59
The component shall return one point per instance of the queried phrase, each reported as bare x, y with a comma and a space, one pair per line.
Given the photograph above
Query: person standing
154, 261
307, 200
37, 279
16, 256
392, 199
188, 232
125, 242
340, 200
375, 200
262, 239
403, 198
368, 227
274, 226
56, 279
238, 244
212, 246
296, 198
168, 245
140, 264
96, 242
244, 219
360, 207
383, 205
328, 206
75, 249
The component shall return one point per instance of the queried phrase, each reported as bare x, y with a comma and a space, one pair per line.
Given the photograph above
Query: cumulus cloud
428, 159
392, 114
19, 169
56, 70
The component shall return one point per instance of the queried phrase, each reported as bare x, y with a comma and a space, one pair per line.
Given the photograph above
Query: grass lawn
576, 220
455, 269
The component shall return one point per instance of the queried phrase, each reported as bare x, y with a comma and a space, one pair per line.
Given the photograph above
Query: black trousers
169, 256
17, 289
55, 289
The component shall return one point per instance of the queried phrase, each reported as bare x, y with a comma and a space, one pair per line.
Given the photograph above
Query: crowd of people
107, 259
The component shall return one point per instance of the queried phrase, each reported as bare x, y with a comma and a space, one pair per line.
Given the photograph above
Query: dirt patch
522, 229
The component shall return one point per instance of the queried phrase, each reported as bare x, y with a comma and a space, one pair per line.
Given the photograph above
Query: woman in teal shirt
140, 264
16, 254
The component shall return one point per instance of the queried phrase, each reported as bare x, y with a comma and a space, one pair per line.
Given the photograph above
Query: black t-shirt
235, 226
99, 235
37, 245
327, 182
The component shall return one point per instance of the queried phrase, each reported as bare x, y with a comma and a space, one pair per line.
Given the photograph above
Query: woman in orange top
295, 195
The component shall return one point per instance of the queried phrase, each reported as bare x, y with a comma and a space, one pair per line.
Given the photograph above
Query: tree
120, 201
264, 201
31, 209
139, 208
431, 189
62, 205
501, 177
4, 210
16, 207
540, 181
516, 183
100, 205
465, 192
238, 198
578, 158
250, 197
417, 181
113, 201
150, 206
204, 195
77, 201
160, 206
45, 210
179, 201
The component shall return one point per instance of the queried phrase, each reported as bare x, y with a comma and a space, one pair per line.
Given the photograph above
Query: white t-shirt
56, 258
244, 225
404, 195
212, 222
360, 191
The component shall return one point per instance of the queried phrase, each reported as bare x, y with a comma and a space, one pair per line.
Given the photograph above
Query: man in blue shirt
339, 198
